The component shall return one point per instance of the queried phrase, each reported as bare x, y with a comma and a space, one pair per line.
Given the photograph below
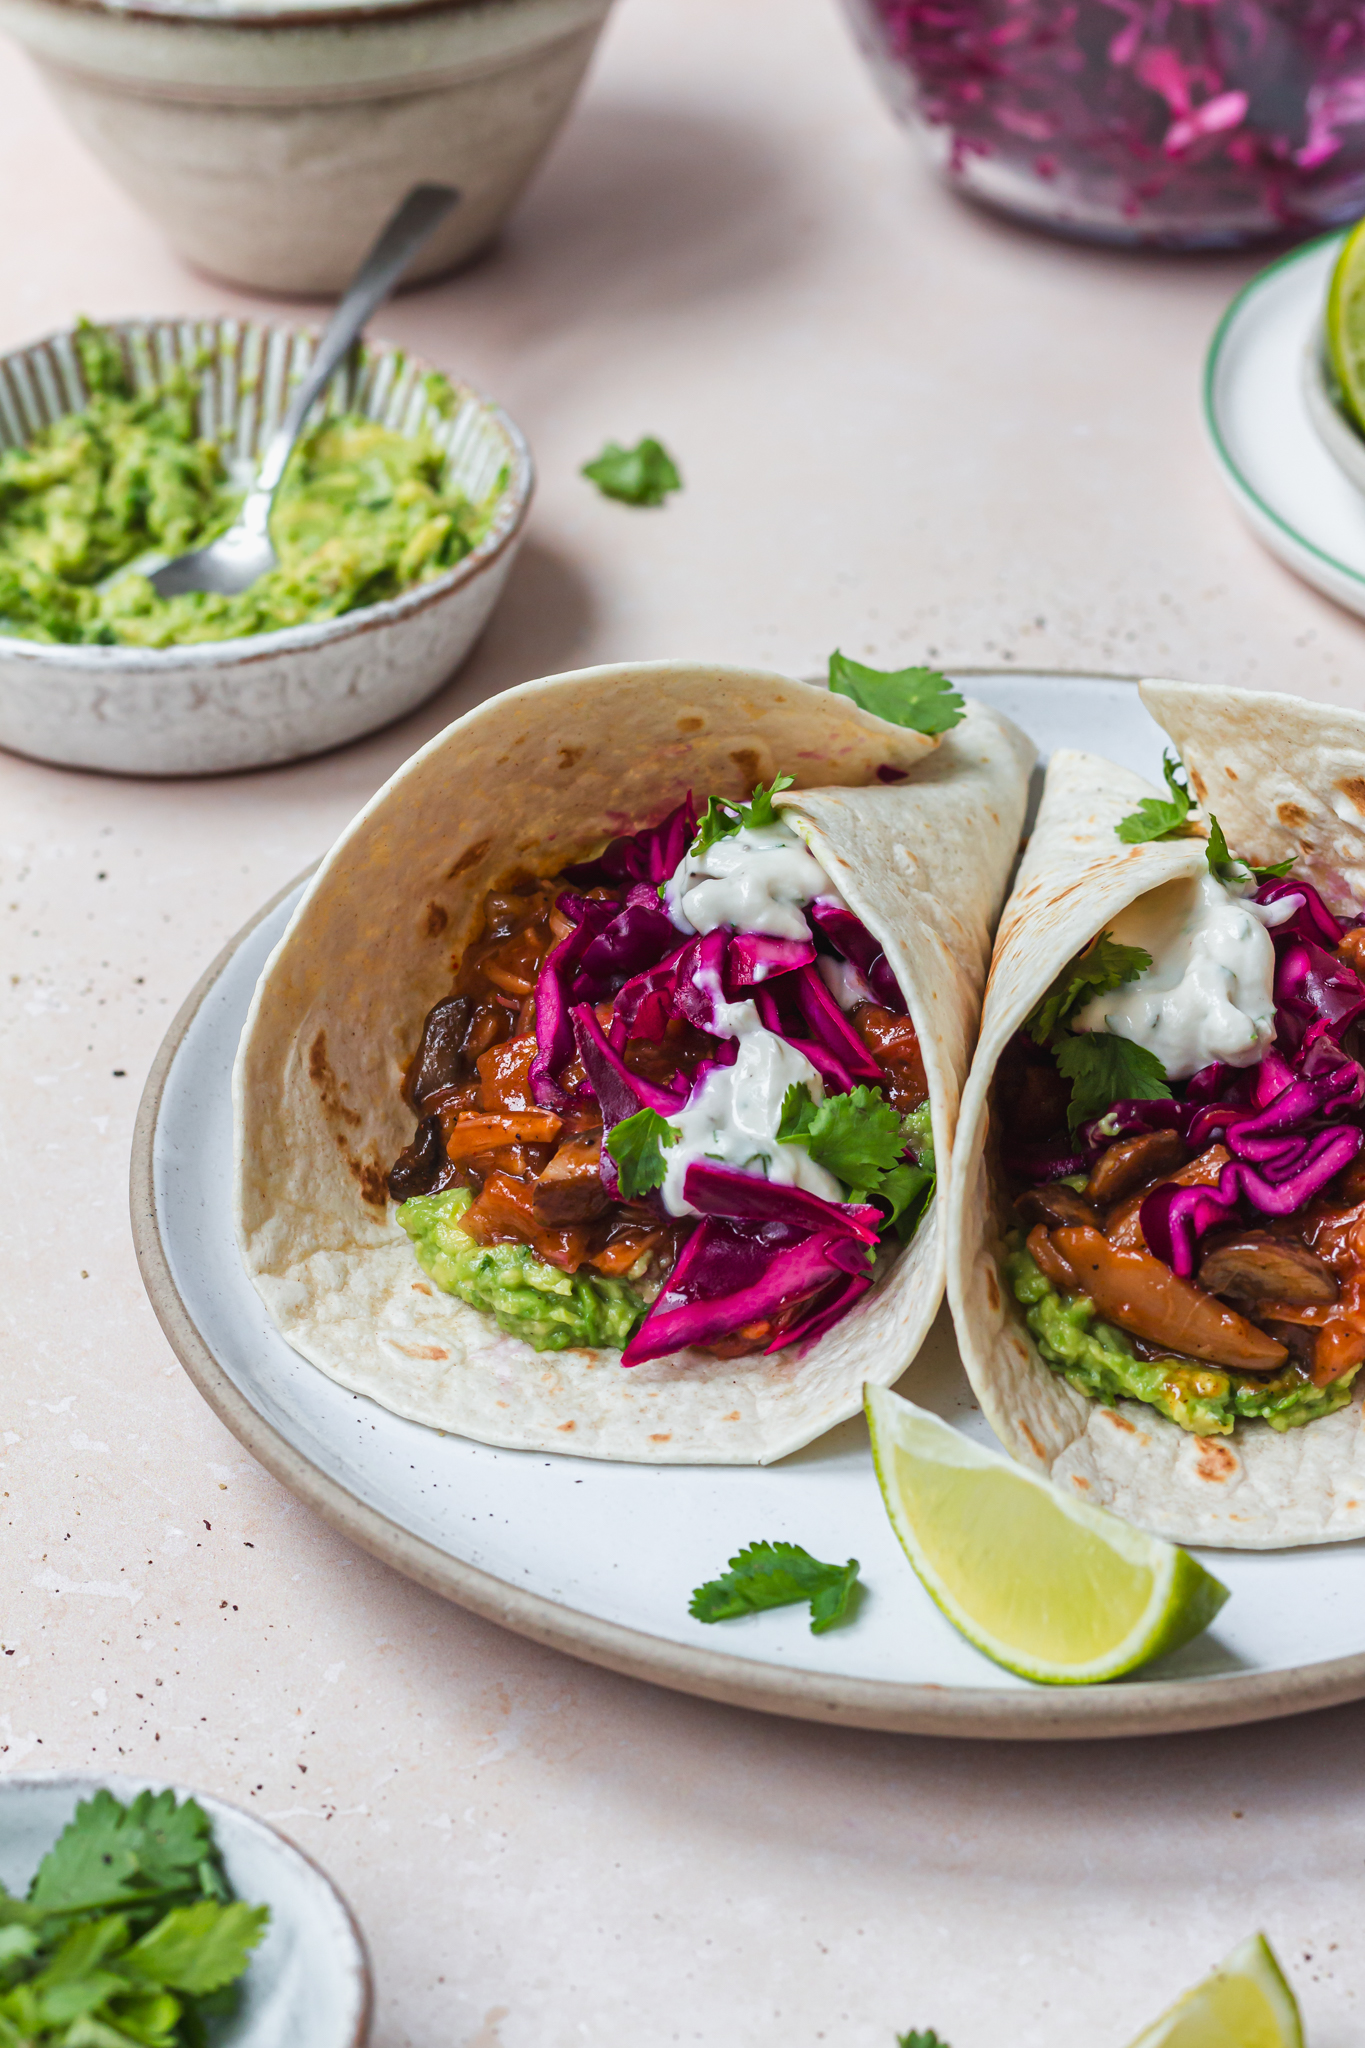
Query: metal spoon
235, 560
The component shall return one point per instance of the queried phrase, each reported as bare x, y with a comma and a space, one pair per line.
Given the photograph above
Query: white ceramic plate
309, 1981
1286, 484
600, 1559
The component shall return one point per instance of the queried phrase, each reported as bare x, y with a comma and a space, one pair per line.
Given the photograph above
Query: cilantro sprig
1103, 1069
638, 1144
919, 698
927, 2039
862, 1140
765, 1575
1103, 965
1161, 817
642, 475
722, 818
1225, 866
129, 1933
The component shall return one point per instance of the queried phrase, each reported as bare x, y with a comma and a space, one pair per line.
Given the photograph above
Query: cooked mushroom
570, 1189
1252, 1266
1140, 1294
1125, 1166
1123, 1225
1055, 1203
440, 1061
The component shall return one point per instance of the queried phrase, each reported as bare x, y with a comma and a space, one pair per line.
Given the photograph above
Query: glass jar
1190, 124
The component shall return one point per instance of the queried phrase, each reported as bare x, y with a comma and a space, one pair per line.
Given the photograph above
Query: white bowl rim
125, 1785
365, 13
252, 647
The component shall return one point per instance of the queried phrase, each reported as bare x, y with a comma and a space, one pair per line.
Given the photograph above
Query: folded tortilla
533, 780
1283, 777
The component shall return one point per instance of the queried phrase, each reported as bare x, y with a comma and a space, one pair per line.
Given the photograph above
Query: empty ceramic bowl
308, 1984
217, 705
271, 142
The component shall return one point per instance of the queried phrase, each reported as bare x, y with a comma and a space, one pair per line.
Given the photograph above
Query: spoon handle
422, 210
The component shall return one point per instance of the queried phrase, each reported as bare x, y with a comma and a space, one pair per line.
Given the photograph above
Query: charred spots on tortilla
1214, 1462
437, 918
470, 858
330, 1090
1292, 816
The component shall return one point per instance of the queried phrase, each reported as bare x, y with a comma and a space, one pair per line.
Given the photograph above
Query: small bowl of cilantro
121, 446
146, 1915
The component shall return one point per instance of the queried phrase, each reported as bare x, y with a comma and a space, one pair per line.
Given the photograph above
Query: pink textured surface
967, 442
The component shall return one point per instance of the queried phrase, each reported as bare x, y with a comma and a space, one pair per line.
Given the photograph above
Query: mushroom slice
1253, 1265
1053, 1204
1132, 1162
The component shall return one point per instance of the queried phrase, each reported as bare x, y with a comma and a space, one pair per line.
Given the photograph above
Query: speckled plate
308, 1985
599, 1559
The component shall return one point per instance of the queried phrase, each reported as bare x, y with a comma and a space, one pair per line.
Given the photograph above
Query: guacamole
1099, 1361
361, 514
551, 1310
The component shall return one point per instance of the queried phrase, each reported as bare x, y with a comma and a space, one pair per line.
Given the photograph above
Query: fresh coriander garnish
778, 1575
642, 475
1103, 965
1102, 1069
1160, 817
927, 2039
638, 1144
129, 1932
860, 1139
1225, 866
722, 818
919, 698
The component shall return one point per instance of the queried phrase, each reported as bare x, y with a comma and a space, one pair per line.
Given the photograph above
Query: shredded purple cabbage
554, 1024
851, 937
1180, 121
648, 856
756, 956
1174, 1218
1311, 921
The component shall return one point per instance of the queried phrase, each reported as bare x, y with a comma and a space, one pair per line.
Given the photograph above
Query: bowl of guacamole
395, 526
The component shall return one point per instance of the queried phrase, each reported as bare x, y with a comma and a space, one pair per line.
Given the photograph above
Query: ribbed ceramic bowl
220, 705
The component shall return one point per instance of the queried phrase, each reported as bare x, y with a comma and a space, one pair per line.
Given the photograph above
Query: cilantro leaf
927, 2039
1160, 817
760, 812
198, 1948
919, 698
638, 1144
642, 475
1102, 965
1104, 1069
907, 1190
1277, 870
767, 1575
1226, 867
857, 1137
110, 1853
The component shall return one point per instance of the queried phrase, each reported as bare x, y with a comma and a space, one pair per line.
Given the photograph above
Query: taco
594, 1097
1156, 1222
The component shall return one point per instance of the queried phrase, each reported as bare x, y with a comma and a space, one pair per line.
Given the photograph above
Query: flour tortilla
537, 778
1256, 1489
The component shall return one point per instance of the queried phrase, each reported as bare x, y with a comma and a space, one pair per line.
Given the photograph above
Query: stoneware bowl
309, 1982
270, 142
218, 705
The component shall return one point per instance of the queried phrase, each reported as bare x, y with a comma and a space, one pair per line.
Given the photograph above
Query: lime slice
1346, 323
1244, 2004
1058, 1591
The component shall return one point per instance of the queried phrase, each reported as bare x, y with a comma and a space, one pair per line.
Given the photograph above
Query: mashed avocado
361, 514
1099, 1361
551, 1310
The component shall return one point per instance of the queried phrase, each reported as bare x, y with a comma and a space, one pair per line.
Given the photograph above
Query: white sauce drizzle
1209, 992
758, 880
732, 1119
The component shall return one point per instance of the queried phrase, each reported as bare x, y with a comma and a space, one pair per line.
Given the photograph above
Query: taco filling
1182, 1119
673, 1099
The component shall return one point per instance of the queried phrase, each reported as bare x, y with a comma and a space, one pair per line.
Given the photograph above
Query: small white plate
600, 1559
1286, 484
308, 1985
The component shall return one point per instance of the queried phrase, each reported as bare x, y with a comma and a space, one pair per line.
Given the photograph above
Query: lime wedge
1243, 2004
1058, 1591
1346, 323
